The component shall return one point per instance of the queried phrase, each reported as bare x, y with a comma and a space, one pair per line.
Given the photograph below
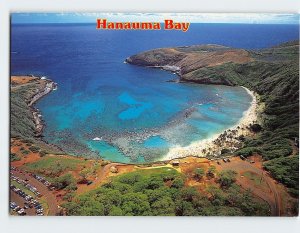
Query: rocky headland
26, 119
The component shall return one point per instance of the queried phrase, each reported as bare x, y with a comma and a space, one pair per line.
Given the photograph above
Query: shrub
255, 128
65, 181
248, 151
14, 157
34, 149
227, 178
211, 172
199, 173
25, 152
43, 153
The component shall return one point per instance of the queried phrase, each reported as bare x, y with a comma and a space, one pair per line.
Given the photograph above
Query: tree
71, 208
163, 207
211, 172
189, 193
92, 208
225, 151
135, 204
69, 196
227, 177
185, 208
84, 174
115, 211
217, 196
199, 173
255, 128
177, 183
156, 194
64, 181
130, 178
155, 182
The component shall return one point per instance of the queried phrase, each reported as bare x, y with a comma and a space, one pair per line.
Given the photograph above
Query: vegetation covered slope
161, 192
273, 73
21, 118
22, 124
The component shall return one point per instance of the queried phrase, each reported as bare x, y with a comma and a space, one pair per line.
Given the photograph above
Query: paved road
47, 194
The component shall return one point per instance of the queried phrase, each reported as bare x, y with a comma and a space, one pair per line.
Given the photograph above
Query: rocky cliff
216, 64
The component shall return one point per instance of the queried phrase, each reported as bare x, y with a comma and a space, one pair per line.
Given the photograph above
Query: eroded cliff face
186, 60
216, 64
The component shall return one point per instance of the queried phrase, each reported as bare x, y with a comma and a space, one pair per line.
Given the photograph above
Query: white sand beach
226, 139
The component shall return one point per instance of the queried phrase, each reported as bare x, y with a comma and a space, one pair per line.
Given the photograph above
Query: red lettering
101, 23
168, 24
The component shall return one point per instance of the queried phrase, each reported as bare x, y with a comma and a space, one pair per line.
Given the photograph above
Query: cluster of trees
286, 170
199, 173
163, 193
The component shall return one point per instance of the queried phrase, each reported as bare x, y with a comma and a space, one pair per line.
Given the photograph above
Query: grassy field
160, 170
55, 165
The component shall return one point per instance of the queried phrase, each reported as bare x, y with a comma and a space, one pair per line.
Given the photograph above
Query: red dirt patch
17, 80
16, 146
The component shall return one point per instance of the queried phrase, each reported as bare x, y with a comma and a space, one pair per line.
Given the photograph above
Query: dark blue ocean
133, 110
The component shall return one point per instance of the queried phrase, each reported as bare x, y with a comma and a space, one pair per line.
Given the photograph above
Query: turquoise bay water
137, 114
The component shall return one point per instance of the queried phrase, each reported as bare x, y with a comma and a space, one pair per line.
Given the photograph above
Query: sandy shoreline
228, 139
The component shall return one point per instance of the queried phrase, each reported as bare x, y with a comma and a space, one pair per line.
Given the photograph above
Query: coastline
227, 139
37, 115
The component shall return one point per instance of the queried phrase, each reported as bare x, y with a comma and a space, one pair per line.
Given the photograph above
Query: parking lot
36, 185
22, 203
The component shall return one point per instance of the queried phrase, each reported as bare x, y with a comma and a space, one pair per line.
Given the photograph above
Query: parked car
21, 212
12, 205
242, 157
